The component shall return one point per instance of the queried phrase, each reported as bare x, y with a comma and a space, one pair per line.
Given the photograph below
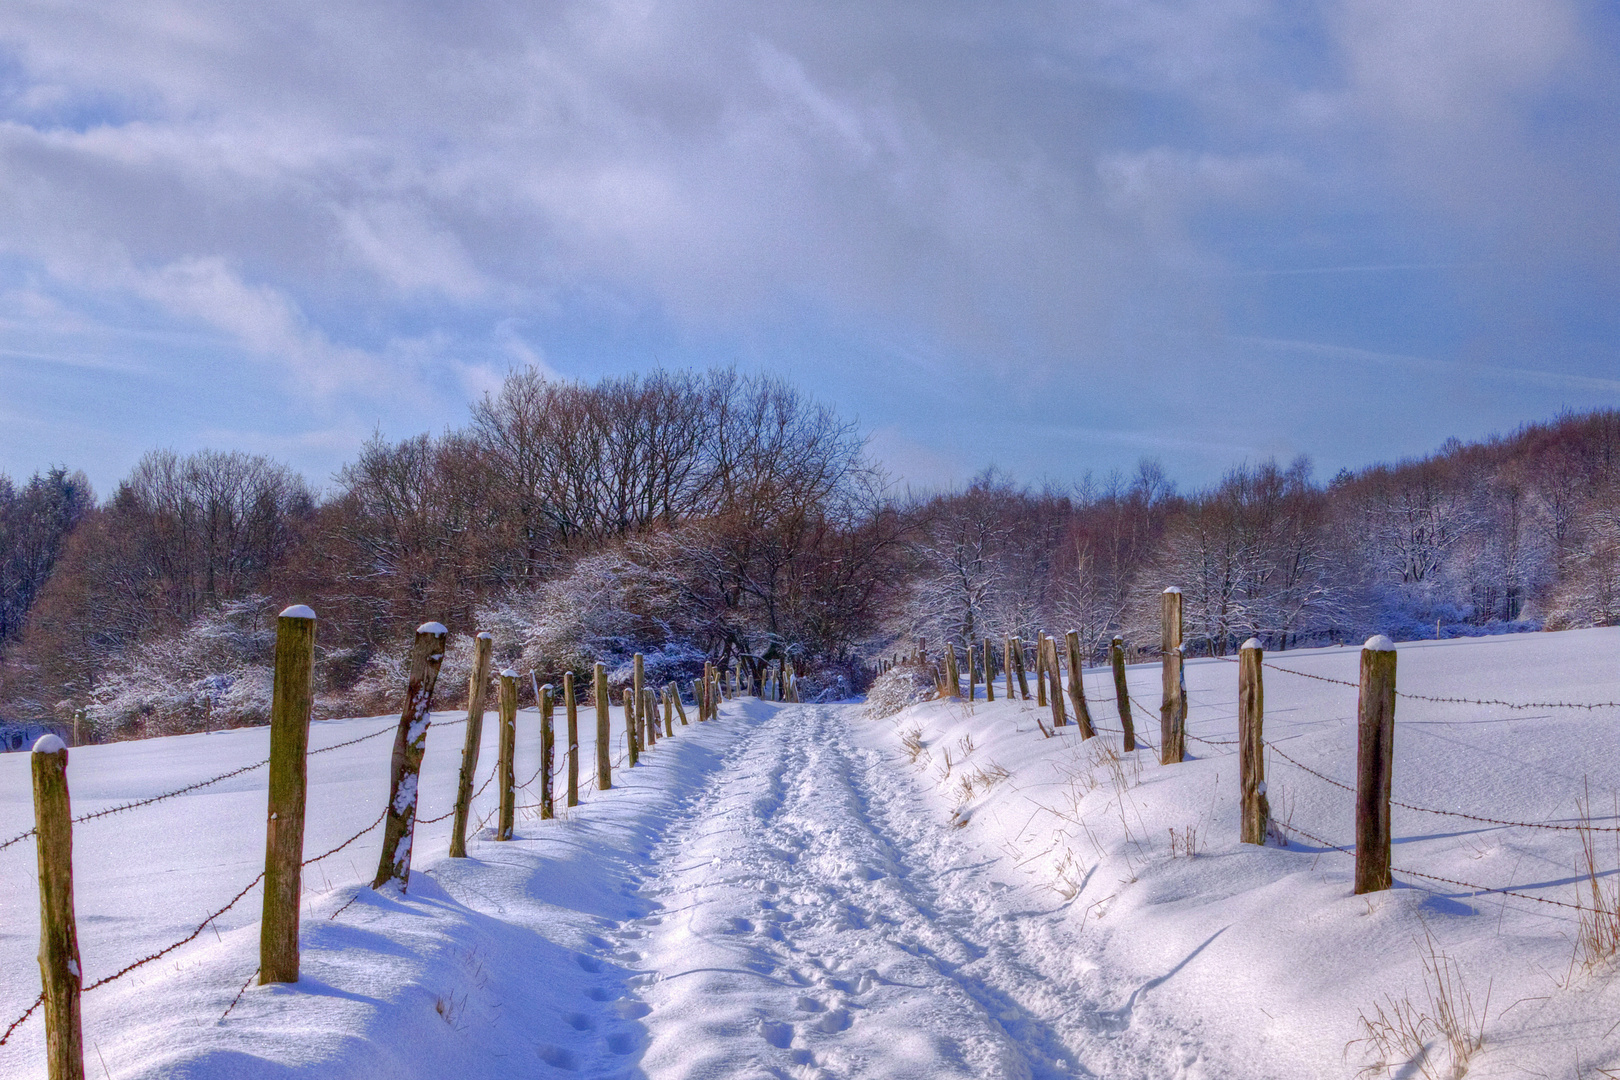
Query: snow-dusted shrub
216, 672
900, 686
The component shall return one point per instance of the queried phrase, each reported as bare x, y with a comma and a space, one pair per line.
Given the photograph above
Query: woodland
693, 516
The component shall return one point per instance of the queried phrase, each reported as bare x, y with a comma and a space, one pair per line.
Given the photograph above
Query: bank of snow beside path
1263, 955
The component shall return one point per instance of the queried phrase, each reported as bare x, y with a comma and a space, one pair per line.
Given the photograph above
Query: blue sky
1053, 237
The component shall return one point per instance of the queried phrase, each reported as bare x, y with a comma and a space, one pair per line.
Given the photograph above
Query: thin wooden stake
1173, 697
1256, 809
1375, 759
1040, 668
477, 694
675, 695
604, 759
1122, 691
291, 698
399, 828
631, 739
504, 778
59, 969
571, 710
637, 681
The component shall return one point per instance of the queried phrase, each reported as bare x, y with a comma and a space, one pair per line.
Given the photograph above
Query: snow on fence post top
485, 635
509, 673
298, 611
50, 744
1173, 589
1252, 643
432, 628
1379, 643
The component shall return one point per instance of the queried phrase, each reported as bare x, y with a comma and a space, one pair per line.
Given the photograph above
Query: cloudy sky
1049, 236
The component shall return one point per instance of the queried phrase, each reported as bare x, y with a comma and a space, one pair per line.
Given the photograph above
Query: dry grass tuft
1597, 931
913, 743
1438, 1035
1186, 842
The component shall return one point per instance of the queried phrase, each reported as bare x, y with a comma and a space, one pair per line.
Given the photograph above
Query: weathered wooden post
571, 710
1018, 661
1122, 691
477, 692
1040, 668
989, 657
1054, 690
675, 695
630, 737
637, 681
669, 718
504, 779
548, 753
60, 974
972, 671
1077, 688
291, 697
697, 698
649, 709
953, 676
1375, 759
399, 825
1173, 706
1251, 741
604, 760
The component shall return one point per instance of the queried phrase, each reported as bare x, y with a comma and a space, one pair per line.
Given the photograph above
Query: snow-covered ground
786, 892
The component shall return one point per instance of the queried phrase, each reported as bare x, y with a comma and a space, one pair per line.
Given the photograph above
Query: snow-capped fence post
1173, 707
571, 710
604, 760
1251, 741
1054, 689
1375, 754
675, 696
291, 697
548, 753
989, 671
1122, 693
504, 778
632, 743
1077, 689
477, 693
399, 827
59, 970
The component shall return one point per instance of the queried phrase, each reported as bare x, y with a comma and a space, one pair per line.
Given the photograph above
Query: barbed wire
1588, 705
435, 820
17, 1023
143, 961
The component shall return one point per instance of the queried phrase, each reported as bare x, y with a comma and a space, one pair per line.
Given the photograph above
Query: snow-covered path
813, 920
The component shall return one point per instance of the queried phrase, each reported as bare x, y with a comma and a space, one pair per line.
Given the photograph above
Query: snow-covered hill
803, 891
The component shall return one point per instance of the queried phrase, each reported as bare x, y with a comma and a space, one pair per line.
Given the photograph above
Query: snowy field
803, 891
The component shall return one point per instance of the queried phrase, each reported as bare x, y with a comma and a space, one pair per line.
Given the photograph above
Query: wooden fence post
1077, 689
631, 739
1054, 689
637, 681
399, 826
604, 759
477, 692
669, 717
571, 710
503, 769
1122, 692
675, 695
972, 670
291, 698
1018, 661
1040, 668
649, 710
953, 676
1173, 706
60, 974
548, 753
1251, 741
1375, 759
989, 672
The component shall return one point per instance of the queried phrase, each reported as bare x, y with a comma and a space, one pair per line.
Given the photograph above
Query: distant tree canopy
713, 515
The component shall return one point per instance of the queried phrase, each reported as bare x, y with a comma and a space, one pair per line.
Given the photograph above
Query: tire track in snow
805, 932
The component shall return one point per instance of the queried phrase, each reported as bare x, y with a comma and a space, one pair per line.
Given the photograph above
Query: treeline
1515, 533
686, 516
694, 516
